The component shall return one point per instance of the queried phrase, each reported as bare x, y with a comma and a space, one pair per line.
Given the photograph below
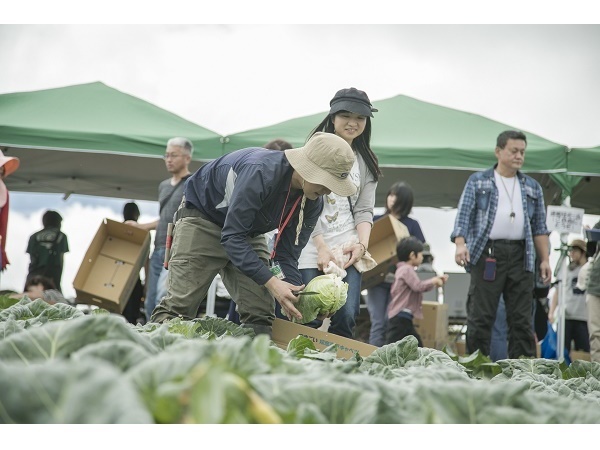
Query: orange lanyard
287, 219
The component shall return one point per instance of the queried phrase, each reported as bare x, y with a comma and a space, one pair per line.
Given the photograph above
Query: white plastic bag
584, 273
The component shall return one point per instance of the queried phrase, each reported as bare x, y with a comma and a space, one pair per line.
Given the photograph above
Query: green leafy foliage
57, 366
121, 354
68, 392
580, 368
297, 346
61, 338
7, 301
10, 326
36, 312
538, 366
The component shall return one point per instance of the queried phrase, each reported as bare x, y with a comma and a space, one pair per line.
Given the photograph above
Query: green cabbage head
332, 293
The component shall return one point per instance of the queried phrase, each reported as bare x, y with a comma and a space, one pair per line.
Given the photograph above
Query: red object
3, 225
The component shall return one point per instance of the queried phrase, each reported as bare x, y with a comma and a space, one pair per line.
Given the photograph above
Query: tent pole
562, 290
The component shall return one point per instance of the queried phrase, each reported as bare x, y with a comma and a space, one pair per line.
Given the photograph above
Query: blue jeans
343, 321
378, 299
155, 291
499, 341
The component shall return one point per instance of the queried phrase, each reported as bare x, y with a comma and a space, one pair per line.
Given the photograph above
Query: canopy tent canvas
583, 174
433, 148
92, 139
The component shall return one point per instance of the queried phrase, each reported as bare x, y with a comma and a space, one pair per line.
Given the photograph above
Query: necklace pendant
512, 217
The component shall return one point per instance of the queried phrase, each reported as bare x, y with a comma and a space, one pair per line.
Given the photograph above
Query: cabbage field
58, 365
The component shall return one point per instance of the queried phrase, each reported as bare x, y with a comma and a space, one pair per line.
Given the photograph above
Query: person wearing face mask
8, 164
346, 220
229, 204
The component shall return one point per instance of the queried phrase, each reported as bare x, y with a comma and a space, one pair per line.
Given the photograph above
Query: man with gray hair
177, 158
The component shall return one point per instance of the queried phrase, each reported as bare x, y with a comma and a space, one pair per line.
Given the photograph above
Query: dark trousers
577, 331
132, 311
399, 327
516, 285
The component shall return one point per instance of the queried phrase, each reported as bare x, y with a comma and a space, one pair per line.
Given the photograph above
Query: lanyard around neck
287, 219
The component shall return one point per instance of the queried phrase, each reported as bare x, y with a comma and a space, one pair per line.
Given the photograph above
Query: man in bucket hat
8, 164
228, 204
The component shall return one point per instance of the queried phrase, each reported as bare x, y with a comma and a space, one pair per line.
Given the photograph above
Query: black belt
189, 211
506, 241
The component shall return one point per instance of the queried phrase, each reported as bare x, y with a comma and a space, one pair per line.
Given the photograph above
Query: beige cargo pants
196, 257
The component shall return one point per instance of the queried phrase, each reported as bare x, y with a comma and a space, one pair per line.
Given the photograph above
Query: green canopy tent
92, 139
431, 147
583, 178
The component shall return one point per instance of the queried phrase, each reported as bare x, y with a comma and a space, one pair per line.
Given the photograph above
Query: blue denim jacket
477, 211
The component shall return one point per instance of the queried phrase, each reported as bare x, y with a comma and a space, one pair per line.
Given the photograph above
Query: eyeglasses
171, 156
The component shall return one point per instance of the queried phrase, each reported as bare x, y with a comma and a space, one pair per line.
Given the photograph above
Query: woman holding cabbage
345, 221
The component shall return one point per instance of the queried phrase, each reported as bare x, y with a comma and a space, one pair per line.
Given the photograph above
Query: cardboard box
284, 331
437, 345
111, 265
575, 354
385, 234
456, 292
433, 327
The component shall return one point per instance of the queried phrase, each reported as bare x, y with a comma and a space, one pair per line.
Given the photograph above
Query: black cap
351, 100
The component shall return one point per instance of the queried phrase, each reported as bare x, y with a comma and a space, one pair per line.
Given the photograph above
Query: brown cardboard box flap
387, 231
284, 331
111, 265
433, 327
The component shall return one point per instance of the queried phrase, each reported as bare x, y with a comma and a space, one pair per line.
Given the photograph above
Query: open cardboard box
284, 331
576, 354
385, 234
111, 265
433, 327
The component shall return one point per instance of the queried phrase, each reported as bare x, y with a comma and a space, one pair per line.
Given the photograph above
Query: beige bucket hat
326, 159
580, 244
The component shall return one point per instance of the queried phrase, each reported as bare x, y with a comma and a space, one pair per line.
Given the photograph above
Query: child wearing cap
229, 204
576, 314
346, 219
8, 164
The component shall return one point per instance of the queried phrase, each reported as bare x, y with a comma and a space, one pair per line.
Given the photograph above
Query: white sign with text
564, 219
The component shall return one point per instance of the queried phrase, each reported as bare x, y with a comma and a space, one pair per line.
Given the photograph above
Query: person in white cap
229, 204
8, 164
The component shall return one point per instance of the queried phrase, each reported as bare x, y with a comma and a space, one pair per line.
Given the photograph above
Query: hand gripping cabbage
332, 293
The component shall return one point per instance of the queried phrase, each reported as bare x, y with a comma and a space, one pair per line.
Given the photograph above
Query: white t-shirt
337, 222
575, 305
503, 227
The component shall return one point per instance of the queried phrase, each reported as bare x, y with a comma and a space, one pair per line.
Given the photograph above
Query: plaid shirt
477, 211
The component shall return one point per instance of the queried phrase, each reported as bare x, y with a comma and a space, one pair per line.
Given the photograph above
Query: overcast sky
229, 78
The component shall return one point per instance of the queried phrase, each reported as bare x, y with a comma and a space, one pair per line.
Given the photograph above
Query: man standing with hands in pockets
500, 226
